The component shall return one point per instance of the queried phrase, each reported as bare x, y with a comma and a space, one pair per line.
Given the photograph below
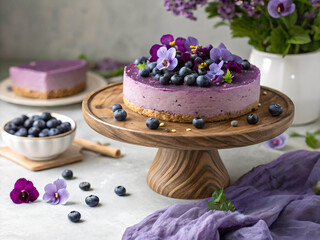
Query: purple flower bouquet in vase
285, 35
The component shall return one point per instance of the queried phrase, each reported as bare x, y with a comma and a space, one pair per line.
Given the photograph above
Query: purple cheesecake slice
49, 79
182, 103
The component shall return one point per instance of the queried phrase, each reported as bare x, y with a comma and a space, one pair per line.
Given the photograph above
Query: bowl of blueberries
39, 136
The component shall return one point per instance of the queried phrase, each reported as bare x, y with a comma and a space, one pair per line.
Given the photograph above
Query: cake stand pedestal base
187, 174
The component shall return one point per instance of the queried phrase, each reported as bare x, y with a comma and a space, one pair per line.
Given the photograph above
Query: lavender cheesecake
183, 80
49, 79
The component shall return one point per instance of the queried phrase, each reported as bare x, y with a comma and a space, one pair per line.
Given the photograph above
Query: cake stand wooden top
96, 108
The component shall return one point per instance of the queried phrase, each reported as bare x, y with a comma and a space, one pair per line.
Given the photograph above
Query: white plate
94, 81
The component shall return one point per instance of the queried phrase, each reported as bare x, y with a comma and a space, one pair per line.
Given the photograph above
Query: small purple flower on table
278, 8
192, 44
56, 192
24, 192
214, 70
278, 142
166, 58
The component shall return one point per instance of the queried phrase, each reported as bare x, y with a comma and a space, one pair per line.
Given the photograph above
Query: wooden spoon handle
94, 147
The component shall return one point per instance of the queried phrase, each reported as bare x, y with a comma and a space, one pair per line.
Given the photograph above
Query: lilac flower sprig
183, 7
24, 192
56, 192
278, 142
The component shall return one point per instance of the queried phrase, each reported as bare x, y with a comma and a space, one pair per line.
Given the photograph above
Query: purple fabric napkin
273, 201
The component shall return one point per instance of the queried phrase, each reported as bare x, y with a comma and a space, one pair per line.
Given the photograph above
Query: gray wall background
118, 29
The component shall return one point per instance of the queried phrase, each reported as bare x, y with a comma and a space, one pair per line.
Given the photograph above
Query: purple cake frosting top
240, 78
54, 66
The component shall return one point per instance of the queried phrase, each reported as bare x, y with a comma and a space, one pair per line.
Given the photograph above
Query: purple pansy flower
56, 193
185, 57
153, 52
204, 52
166, 58
278, 142
221, 53
234, 66
24, 192
315, 3
214, 70
192, 44
168, 41
278, 8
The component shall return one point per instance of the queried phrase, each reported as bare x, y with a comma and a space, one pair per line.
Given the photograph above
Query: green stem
296, 49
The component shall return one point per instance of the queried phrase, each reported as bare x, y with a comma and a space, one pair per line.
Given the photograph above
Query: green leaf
316, 20
291, 19
311, 47
278, 40
220, 202
141, 65
311, 140
298, 35
316, 132
316, 31
317, 188
227, 77
296, 134
221, 23
212, 9
82, 56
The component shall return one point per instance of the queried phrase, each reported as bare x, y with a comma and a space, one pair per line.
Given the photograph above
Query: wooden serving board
71, 155
187, 164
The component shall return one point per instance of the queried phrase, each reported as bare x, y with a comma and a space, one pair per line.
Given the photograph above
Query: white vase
297, 76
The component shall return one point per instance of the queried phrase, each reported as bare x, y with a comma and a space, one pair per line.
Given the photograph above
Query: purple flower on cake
278, 8
166, 58
192, 44
56, 193
24, 192
168, 41
153, 52
234, 66
221, 53
278, 142
214, 70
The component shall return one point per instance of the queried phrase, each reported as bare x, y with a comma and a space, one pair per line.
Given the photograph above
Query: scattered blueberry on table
43, 125
120, 115
84, 186
198, 123
120, 191
74, 216
152, 123
252, 118
275, 109
92, 201
67, 174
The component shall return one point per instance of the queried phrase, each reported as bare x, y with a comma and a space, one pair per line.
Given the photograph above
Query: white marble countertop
109, 220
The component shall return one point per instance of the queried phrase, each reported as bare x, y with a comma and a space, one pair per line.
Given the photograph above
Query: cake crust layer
186, 118
24, 92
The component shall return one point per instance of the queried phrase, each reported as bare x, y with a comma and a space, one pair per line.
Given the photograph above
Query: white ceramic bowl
41, 148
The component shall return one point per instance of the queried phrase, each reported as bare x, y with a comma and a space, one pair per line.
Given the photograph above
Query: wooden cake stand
187, 165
